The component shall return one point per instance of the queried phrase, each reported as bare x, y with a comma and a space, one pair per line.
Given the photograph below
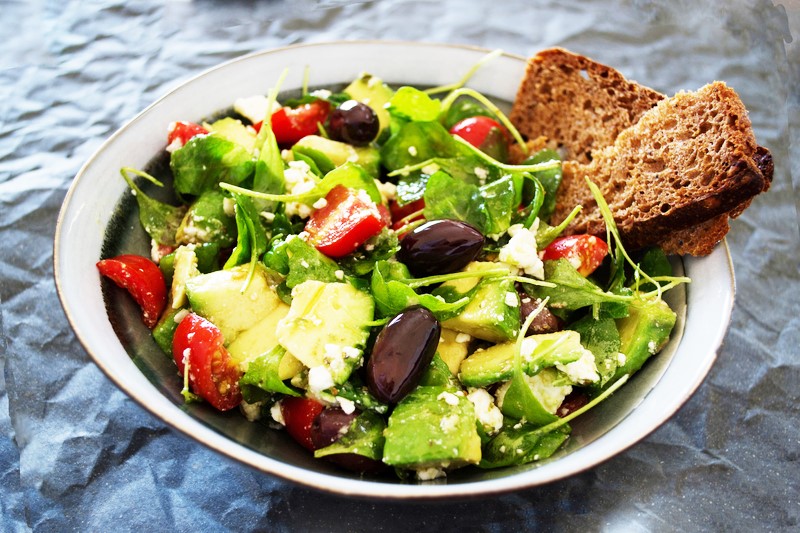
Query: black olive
354, 123
440, 247
402, 351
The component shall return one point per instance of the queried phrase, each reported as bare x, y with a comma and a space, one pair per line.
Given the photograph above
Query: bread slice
687, 161
576, 102
584, 106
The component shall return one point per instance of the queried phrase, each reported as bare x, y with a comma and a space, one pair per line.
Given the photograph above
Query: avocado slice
544, 350
233, 130
643, 333
262, 338
453, 347
434, 426
328, 154
231, 303
327, 326
493, 312
371, 90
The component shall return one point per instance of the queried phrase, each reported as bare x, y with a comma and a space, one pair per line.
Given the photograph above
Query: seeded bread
583, 107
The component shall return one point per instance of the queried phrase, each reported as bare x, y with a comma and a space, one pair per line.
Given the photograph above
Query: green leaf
411, 104
392, 296
600, 337
550, 180
572, 290
159, 220
364, 437
207, 221
416, 142
252, 239
207, 160
305, 262
381, 247
460, 109
519, 444
262, 374
449, 198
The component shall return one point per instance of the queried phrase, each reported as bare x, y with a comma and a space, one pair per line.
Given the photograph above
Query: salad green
312, 282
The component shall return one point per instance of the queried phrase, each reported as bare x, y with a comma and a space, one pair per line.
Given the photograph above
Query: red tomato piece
142, 279
400, 212
292, 124
348, 219
484, 133
212, 373
184, 131
298, 416
584, 252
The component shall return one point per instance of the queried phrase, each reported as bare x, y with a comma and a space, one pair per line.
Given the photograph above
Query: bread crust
673, 170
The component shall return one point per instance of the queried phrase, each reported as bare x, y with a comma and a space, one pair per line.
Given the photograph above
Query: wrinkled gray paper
76, 453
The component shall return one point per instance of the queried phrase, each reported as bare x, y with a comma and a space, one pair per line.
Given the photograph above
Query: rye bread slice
686, 161
580, 104
584, 105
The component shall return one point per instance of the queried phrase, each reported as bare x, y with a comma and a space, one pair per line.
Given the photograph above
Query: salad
365, 268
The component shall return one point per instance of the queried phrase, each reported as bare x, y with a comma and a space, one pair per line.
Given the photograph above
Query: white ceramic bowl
129, 357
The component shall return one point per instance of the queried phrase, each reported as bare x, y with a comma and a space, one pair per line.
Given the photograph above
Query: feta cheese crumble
521, 250
319, 379
487, 412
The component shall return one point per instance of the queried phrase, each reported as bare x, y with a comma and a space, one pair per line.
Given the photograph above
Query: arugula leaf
461, 109
207, 160
416, 142
549, 179
354, 390
393, 296
572, 290
159, 220
449, 198
207, 221
489, 208
380, 247
262, 375
654, 262
252, 238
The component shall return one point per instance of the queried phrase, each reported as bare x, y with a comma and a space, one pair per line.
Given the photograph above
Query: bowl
98, 212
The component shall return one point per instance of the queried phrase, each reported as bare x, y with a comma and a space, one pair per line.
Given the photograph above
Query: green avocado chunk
493, 313
432, 427
231, 303
327, 326
496, 363
328, 154
643, 333
371, 90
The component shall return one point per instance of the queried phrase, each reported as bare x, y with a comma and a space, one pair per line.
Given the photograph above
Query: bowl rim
345, 486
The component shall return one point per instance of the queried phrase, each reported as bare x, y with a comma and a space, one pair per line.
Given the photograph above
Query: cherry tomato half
212, 373
584, 252
298, 416
184, 131
142, 279
400, 212
292, 124
485, 134
348, 219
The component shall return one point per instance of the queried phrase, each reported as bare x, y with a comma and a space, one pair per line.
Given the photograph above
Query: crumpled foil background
77, 454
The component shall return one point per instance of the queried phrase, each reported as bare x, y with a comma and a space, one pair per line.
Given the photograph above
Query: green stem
464, 79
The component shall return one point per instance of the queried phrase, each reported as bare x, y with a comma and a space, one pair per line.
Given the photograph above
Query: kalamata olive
354, 123
440, 247
328, 427
574, 401
545, 321
403, 350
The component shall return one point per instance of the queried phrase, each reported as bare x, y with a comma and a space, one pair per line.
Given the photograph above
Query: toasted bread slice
583, 106
686, 161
